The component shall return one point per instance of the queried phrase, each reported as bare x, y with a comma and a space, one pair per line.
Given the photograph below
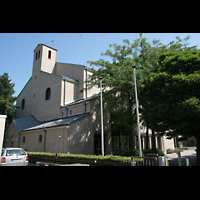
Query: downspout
19, 138
64, 94
44, 138
66, 111
85, 107
86, 83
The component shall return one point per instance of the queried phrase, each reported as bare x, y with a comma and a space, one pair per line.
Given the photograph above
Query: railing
144, 161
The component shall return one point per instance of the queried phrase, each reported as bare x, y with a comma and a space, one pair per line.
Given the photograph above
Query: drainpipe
85, 107
44, 138
86, 83
66, 111
64, 94
19, 138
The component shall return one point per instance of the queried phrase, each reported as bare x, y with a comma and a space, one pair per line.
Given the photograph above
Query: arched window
23, 104
48, 94
40, 138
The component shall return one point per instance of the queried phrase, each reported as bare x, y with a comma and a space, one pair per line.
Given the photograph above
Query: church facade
56, 115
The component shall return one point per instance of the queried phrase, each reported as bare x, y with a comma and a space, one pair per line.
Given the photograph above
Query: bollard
187, 162
179, 158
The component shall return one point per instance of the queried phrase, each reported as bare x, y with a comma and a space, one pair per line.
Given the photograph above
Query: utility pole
138, 122
102, 136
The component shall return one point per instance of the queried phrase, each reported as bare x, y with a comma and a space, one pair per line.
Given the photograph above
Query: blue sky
16, 49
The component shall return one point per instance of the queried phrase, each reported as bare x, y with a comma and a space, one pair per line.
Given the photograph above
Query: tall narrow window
49, 55
40, 138
39, 54
36, 56
48, 94
23, 104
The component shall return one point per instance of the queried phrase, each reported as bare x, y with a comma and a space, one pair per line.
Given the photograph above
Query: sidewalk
191, 154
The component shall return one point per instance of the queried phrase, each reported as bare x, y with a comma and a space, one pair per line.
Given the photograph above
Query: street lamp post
138, 122
102, 136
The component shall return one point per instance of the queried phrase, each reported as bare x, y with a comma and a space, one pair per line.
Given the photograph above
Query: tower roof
46, 46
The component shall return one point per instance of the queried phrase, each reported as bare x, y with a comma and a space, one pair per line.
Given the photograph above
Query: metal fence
144, 161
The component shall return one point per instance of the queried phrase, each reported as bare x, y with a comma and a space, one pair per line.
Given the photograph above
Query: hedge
106, 158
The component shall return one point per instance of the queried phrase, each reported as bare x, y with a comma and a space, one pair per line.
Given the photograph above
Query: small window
39, 54
48, 94
23, 104
70, 112
40, 138
36, 56
23, 139
49, 55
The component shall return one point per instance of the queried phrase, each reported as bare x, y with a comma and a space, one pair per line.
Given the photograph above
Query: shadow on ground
191, 157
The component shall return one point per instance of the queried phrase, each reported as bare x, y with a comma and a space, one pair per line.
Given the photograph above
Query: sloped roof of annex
69, 79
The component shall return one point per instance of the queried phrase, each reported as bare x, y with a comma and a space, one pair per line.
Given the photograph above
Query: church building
58, 113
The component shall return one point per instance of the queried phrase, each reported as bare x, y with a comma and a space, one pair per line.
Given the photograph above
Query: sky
16, 49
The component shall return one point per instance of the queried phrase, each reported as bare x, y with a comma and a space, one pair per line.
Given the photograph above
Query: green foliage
130, 153
150, 151
118, 77
106, 158
7, 100
144, 152
171, 95
174, 151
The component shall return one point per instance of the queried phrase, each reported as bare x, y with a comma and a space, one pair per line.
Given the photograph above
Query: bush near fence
144, 152
106, 158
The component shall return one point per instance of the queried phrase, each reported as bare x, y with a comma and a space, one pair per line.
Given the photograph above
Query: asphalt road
191, 154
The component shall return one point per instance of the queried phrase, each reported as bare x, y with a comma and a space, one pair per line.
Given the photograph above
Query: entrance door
97, 144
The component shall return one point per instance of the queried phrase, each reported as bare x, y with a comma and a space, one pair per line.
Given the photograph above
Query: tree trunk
198, 150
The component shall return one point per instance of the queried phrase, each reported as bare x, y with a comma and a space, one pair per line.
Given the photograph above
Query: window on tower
49, 55
48, 94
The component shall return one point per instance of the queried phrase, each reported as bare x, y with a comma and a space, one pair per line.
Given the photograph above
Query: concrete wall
11, 137
24, 94
73, 71
93, 90
2, 127
49, 109
48, 64
81, 137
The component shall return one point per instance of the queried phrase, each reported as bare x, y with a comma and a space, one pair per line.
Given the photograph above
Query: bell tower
44, 59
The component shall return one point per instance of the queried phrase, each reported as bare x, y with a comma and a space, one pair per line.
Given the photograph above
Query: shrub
136, 152
106, 158
158, 151
130, 153
169, 151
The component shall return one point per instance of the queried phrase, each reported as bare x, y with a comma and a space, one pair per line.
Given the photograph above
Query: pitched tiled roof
30, 123
25, 122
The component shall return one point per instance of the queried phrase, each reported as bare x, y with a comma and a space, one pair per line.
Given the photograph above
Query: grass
174, 151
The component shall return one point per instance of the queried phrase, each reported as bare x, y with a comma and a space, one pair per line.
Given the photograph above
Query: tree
171, 95
118, 76
7, 100
120, 98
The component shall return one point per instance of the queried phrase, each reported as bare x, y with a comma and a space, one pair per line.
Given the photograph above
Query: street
190, 154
